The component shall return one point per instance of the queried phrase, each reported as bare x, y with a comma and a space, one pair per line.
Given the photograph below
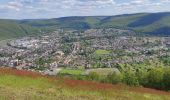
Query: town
90, 49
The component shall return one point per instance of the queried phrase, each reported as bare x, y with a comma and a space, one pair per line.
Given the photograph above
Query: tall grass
14, 86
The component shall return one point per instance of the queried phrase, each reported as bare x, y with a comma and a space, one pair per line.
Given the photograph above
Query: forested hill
11, 29
143, 23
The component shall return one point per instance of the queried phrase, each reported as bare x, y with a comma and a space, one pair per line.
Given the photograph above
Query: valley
83, 50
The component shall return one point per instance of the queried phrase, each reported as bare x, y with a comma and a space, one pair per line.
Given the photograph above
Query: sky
36, 9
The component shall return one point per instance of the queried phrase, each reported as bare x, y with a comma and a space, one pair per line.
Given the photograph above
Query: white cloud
57, 8
11, 6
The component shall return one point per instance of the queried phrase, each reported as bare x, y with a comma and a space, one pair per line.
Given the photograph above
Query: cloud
11, 6
58, 8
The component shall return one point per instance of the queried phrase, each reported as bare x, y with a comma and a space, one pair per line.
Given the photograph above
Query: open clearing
102, 52
71, 72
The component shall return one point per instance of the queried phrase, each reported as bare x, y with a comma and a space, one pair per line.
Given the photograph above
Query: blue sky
33, 9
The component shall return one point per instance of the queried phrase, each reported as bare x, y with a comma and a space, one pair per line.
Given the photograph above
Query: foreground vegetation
157, 78
24, 85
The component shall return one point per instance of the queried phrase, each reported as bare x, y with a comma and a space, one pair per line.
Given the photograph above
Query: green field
102, 52
72, 72
103, 71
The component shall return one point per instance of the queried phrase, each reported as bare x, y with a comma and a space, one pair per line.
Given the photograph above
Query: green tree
155, 78
130, 78
40, 64
113, 78
66, 48
142, 77
166, 79
93, 76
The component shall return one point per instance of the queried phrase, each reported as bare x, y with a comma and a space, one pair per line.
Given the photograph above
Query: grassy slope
11, 29
120, 21
23, 85
65, 22
150, 23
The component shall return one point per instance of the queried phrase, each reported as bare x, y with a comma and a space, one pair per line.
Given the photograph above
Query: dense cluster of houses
78, 49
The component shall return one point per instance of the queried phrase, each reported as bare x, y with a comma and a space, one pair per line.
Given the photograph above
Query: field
102, 71
102, 52
24, 85
71, 72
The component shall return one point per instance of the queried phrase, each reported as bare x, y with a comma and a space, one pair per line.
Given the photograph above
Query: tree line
157, 78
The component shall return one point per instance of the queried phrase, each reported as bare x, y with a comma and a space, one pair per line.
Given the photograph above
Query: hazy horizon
81, 16
44, 9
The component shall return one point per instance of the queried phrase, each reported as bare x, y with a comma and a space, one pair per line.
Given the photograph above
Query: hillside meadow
25, 85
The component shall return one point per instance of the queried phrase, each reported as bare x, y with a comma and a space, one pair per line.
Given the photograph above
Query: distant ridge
143, 23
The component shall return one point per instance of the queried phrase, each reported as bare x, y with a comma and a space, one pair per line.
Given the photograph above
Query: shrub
155, 78
93, 76
142, 77
130, 78
166, 78
113, 78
